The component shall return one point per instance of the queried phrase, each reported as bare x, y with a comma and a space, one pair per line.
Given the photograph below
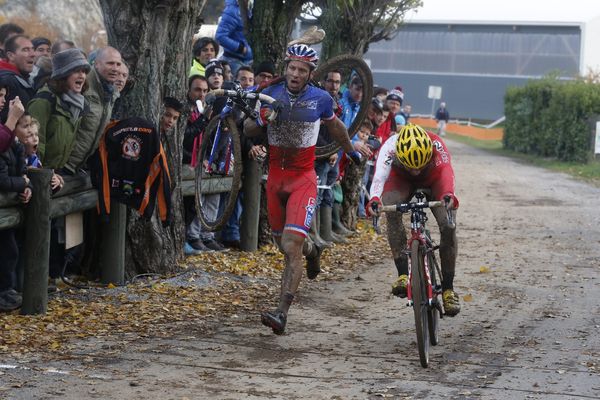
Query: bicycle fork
428, 283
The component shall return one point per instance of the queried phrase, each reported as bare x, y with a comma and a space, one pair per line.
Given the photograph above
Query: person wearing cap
230, 35
59, 107
204, 50
101, 96
41, 47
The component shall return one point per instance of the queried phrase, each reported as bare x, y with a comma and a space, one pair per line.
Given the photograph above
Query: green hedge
550, 118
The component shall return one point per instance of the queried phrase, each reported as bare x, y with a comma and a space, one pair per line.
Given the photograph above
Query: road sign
435, 92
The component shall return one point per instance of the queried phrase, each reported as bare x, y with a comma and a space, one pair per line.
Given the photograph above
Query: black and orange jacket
130, 167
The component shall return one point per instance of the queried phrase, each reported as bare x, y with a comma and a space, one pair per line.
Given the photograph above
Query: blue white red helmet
304, 53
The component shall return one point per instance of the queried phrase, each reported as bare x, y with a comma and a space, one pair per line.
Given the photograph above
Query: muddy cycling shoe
451, 303
275, 320
313, 262
399, 286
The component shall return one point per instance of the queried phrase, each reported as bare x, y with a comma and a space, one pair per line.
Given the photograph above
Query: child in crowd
170, 115
26, 132
12, 180
15, 110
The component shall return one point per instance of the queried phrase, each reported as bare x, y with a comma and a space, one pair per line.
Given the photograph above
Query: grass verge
587, 172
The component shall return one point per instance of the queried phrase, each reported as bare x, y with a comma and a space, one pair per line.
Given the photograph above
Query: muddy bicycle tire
219, 182
358, 65
419, 298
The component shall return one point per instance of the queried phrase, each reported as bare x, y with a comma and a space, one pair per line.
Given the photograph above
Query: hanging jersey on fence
130, 167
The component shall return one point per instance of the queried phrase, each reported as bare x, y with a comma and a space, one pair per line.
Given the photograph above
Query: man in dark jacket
442, 116
230, 35
14, 73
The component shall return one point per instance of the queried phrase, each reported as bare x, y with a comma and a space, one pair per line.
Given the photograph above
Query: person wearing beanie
59, 107
264, 73
214, 74
204, 50
394, 99
393, 102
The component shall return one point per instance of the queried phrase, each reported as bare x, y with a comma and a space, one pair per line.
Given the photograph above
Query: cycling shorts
291, 200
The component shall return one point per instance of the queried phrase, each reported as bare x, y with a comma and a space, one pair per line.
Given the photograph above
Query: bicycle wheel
222, 175
433, 313
349, 66
419, 298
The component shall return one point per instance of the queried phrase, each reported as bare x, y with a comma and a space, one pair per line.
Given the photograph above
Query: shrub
550, 118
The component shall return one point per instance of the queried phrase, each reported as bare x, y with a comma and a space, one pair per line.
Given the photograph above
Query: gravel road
528, 275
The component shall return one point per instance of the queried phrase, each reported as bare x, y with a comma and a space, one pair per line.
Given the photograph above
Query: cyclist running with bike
292, 182
409, 160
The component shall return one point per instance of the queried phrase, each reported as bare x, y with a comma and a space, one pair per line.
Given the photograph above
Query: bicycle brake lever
451, 222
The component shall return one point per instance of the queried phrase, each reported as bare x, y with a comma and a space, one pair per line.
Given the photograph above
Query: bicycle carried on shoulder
219, 161
424, 272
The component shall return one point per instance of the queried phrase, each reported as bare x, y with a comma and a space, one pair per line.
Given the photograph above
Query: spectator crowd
56, 102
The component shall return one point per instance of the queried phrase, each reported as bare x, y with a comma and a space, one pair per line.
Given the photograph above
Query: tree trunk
353, 175
270, 28
346, 32
155, 38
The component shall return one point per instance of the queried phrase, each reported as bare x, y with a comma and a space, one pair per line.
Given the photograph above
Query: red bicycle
424, 272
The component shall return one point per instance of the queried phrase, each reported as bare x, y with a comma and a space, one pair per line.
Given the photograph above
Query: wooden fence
78, 195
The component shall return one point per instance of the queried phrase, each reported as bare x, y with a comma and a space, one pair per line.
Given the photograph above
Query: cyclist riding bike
292, 182
409, 160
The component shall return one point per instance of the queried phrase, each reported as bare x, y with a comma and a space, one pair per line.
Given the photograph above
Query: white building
475, 49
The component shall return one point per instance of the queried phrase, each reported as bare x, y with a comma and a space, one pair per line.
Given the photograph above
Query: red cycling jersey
438, 175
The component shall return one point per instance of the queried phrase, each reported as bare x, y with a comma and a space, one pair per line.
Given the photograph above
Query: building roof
506, 12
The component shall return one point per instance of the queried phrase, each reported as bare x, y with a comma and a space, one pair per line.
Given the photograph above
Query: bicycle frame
418, 218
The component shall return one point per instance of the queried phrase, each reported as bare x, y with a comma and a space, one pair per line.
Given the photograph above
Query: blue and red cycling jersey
292, 139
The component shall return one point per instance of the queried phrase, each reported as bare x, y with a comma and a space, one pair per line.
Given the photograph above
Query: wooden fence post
112, 246
251, 205
37, 246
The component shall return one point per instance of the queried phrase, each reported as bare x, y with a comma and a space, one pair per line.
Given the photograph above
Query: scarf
74, 102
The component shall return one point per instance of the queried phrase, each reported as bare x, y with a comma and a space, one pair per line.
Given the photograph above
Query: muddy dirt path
528, 275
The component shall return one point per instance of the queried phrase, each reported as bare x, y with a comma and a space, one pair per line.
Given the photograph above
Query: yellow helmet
413, 148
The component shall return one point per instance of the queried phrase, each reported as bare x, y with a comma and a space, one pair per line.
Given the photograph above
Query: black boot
275, 320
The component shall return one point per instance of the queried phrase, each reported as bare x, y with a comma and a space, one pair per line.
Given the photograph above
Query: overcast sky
559, 11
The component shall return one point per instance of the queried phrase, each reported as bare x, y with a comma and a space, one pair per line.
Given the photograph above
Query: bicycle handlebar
405, 207
243, 95
240, 94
